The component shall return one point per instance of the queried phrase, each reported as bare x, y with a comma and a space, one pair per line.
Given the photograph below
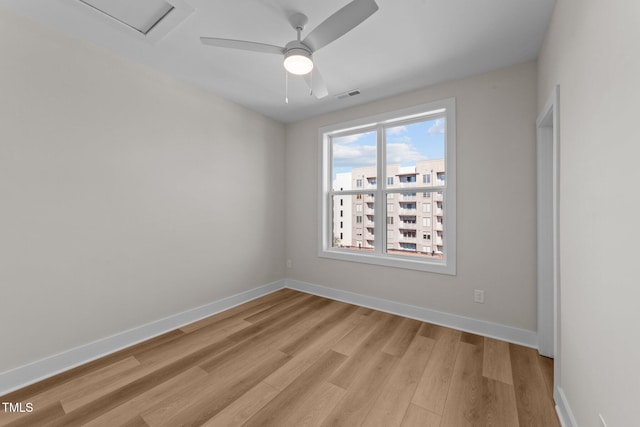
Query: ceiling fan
298, 53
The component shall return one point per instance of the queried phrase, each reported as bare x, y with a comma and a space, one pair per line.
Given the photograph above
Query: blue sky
406, 145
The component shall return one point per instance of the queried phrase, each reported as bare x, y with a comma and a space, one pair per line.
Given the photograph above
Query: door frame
548, 257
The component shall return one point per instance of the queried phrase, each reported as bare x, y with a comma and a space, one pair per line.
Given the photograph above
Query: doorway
548, 278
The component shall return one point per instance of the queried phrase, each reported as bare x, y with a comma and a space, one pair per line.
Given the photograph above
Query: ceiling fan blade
243, 45
340, 23
316, 83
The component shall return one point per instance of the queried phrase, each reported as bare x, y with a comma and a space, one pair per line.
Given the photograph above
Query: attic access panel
141, 15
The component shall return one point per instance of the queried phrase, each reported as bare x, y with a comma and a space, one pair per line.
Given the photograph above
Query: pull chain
286, 87
311, 85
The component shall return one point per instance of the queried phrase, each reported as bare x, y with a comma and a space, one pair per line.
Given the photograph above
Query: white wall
125, 196
496, 204
591, 51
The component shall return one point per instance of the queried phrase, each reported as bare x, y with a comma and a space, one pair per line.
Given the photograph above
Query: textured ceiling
407, 44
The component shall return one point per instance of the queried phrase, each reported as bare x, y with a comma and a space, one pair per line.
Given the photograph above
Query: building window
341, 203
378, 149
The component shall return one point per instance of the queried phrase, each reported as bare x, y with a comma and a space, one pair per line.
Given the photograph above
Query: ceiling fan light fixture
298, 61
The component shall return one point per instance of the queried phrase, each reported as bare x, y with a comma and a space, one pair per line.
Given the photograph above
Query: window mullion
380, 218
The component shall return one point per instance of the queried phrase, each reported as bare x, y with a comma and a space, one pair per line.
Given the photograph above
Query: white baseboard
563, 409
467, 324
41, 369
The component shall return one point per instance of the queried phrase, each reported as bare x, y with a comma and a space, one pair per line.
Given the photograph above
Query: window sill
440, 267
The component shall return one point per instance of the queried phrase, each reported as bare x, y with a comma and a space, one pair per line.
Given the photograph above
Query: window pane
413, 231
354, 161
415, 154
355, 228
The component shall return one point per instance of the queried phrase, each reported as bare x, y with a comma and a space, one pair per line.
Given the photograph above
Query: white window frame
446, 265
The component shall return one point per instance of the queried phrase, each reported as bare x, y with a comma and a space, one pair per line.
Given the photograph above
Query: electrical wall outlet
478, 296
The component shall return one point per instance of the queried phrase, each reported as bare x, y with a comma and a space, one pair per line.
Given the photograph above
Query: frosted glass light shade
298, 61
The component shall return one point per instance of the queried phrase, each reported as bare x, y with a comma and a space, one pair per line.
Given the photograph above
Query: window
341, 214
373, 151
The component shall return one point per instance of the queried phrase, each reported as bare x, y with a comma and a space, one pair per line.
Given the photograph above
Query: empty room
340, 213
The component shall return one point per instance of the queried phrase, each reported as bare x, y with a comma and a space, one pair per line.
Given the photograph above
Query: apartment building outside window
401, 158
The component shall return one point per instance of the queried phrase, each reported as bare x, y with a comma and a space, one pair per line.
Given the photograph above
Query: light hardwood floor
293, 359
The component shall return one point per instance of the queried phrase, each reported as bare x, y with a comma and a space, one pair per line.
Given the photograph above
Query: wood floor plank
296, 359
177, 385
403, 337
420, 417
498, 404
243, 408
307, 357
534, 404
92, 383
311, 334
279, 307
464, 400
288, 317
362, 391
372, 344
221, 393
496, 361
431, 392
190, 343
136, 421
243, 310
313, 408
390, 407
115, 398
350, 342
306, 383
305, 329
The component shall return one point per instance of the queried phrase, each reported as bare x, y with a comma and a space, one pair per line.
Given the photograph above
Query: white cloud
402, 152
398, 130
437, 127
349, 139
354, 155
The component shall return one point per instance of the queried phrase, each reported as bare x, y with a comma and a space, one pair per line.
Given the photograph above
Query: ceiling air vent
348, 94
